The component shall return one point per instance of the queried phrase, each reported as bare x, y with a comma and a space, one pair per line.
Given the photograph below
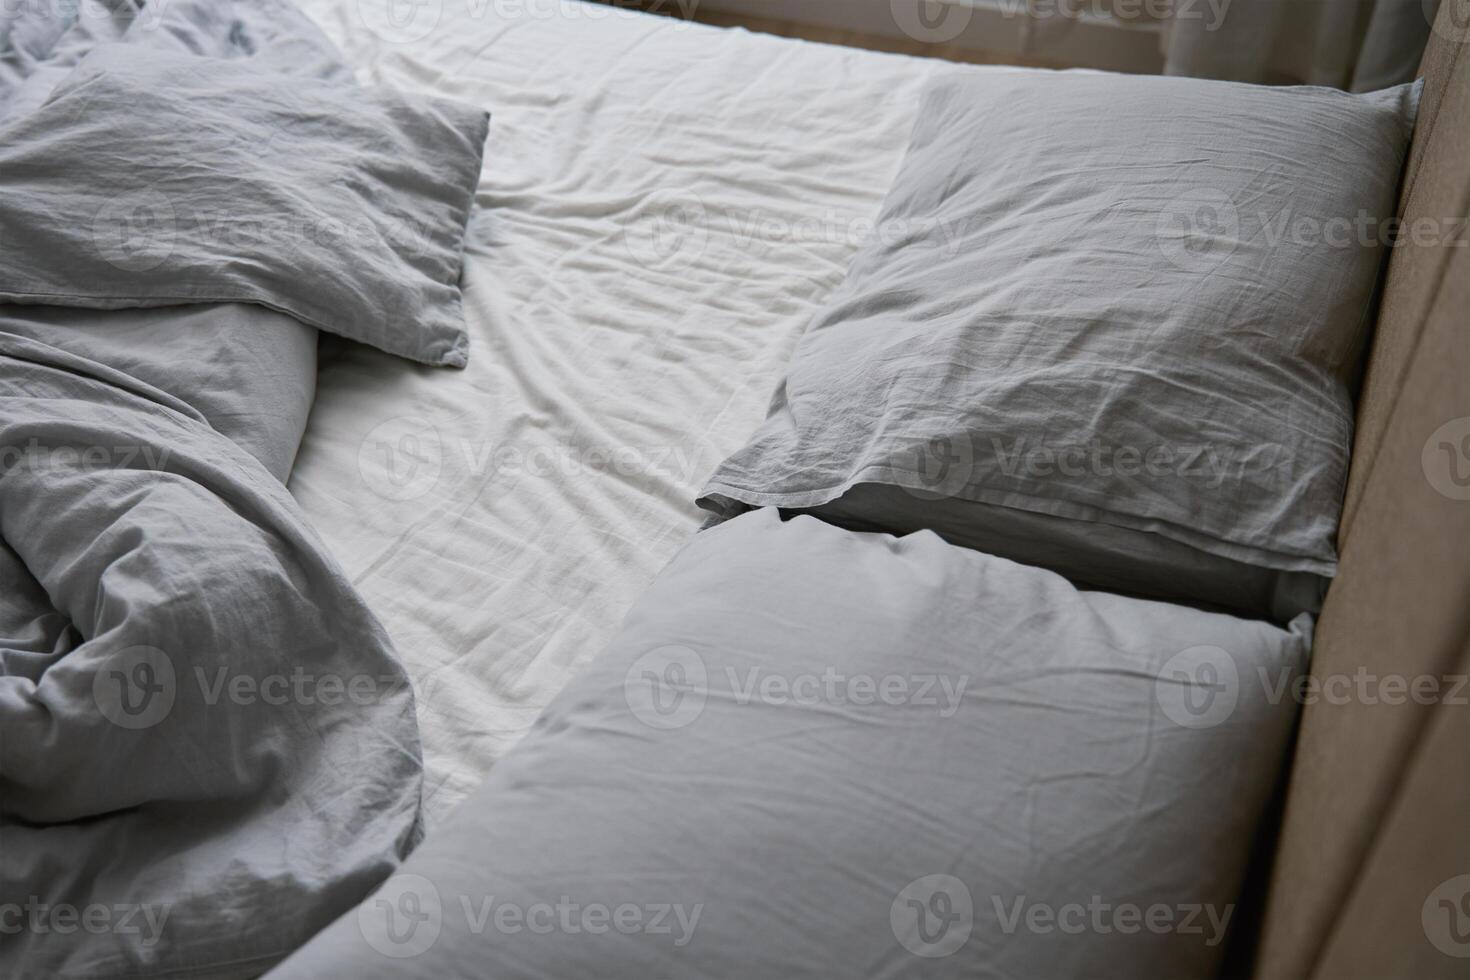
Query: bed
1365, 827
1374, 791
662, 213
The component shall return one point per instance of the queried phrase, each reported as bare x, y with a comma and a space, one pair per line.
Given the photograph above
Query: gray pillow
1092, 554
153, 178
1136, 305
817, 753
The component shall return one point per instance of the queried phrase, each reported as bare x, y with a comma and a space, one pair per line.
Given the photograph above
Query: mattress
662, 206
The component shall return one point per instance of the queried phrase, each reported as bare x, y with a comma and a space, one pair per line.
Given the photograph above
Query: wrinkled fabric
665, 205
40, 43
249, 370
1123, 301
155, 178
208, 747
802, 733
202, 726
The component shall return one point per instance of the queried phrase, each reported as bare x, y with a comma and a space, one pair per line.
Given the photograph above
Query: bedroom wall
1372, 877
1120, 35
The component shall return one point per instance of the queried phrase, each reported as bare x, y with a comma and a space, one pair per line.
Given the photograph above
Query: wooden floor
808, 32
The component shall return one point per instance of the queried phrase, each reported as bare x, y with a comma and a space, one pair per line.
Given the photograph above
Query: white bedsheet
661, 207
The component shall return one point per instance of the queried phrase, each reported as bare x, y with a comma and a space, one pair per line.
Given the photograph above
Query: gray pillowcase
1124, 303
1091, 554
152, 178
805, 738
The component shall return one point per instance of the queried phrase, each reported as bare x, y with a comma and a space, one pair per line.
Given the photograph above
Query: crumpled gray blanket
208, 748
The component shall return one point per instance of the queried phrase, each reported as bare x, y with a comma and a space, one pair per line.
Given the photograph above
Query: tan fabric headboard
1377, 820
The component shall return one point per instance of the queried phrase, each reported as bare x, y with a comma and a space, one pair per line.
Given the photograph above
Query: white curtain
1359, 45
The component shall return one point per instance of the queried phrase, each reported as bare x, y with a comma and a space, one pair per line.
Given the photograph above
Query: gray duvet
208, 748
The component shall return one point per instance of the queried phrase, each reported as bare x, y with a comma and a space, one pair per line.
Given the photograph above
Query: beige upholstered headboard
1377, 820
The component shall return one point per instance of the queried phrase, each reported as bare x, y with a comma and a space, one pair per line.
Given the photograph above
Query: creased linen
157, 178
663, 206
208, 747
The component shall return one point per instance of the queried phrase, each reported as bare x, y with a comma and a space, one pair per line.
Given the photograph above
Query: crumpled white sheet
662, 207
